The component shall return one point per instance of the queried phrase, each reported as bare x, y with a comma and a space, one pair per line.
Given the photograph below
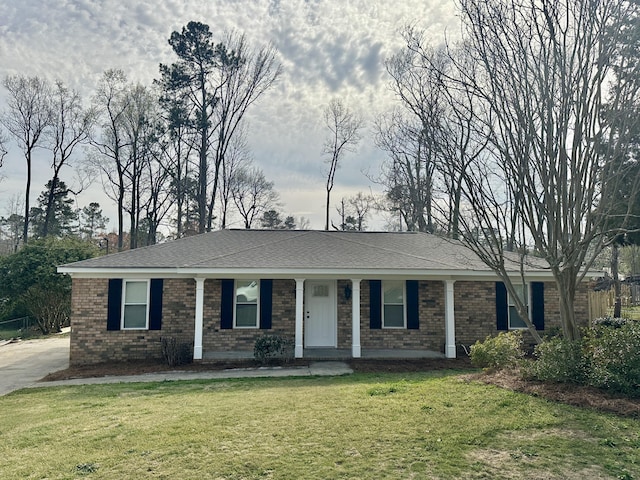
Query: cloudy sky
328, 49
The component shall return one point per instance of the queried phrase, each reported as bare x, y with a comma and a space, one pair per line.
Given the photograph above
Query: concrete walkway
23, 363
314, 369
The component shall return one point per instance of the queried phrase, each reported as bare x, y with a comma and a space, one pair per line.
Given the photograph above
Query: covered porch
348, 293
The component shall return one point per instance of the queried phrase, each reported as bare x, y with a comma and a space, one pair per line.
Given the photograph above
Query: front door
320, 313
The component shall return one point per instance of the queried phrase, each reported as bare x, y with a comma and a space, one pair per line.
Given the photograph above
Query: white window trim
404, 307
235, 303
124, 295
510, 304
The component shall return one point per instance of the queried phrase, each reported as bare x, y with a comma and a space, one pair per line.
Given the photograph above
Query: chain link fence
17, 327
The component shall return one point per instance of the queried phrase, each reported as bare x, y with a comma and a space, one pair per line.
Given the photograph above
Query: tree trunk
326, 218
25, 228
120, 217
47, 214
565, 282
617, 306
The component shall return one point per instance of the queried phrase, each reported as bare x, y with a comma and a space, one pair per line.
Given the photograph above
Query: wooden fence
601, 303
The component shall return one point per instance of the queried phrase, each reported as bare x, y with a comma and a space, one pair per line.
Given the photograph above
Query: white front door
320, 318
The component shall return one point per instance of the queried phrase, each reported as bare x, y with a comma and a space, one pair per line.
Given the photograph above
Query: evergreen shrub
505, 350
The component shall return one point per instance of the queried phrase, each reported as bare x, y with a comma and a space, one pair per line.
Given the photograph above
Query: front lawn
411, 425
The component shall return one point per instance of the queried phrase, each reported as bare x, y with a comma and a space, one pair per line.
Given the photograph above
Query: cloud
328, 49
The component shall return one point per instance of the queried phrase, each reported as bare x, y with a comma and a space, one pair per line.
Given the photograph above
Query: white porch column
299, 346
197, 341
449, 320
355, 318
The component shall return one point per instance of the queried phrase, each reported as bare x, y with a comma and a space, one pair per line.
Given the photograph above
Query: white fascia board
289, 273
103, 272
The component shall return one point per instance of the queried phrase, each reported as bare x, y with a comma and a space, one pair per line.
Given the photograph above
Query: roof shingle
296, 250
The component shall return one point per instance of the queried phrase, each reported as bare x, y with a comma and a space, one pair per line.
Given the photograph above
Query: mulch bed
358, 365
577, 395
565, 393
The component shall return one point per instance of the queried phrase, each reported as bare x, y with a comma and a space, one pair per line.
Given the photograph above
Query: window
393, 304
135, 311
515, 321
320, 290
246, 312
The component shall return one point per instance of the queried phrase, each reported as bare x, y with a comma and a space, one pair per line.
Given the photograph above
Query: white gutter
290, 273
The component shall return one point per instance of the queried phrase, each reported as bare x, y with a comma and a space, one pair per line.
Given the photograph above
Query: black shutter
114, 304
502, 309
413, 307
266, 294
155, 307
375, 304
537, 304
226, 306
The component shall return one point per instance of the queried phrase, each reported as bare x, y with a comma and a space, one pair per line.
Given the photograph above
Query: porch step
339, 354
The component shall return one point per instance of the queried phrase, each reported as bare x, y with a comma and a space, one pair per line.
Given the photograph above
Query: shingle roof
295, 250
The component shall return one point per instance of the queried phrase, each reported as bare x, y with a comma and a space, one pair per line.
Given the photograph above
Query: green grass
19, 333
360, 426
631, 312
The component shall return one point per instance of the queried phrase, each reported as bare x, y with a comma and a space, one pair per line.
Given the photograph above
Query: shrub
504, 351
558, 360
174, 352
270, 349
614, 357
610, 322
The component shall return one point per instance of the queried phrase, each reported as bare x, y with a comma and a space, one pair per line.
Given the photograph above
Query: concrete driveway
25, 362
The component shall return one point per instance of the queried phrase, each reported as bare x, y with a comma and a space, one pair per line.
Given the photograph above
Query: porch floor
332, 354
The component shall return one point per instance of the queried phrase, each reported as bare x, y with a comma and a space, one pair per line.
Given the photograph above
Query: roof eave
292, 273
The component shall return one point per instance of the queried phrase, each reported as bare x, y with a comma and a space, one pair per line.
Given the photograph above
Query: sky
329, 49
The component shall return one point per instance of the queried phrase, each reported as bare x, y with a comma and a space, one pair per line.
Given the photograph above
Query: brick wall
430, 335
474, 310
92, 343
215, 339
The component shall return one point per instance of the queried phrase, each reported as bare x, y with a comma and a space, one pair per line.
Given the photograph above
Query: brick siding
92, 343
215, 339
475, 314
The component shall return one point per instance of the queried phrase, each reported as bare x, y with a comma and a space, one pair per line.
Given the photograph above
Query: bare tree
409, 175
111, 101
347, 221
174, 154
236, 158
3, 147
218, 83
71, 127
344, 134
361, 204
26, 119
144, 179
241, 85
353, 212
540, 83
303, 223
191, 79
252, 194
414, 150
11, 226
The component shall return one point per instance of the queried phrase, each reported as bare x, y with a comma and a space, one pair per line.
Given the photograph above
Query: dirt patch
503, 464
565, 393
